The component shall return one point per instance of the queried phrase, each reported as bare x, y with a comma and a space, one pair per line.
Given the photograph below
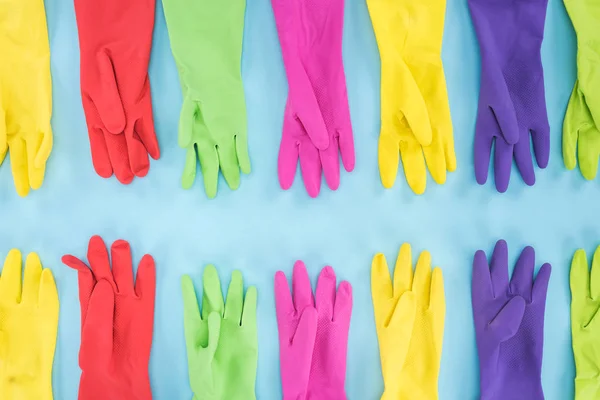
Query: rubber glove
415, 114
509, 324
117, 322
222, 341
317, 129
313, 335
580, 130
206, 41
585, 302
28, 326
581, 137
409, 316
512, 104
25, 92
115, 39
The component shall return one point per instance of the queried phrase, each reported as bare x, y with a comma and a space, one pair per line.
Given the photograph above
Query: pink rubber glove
310, 33
313, 340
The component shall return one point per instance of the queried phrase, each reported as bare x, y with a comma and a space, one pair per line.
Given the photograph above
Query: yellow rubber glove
409, 316
415, 114
25, 91
28, 326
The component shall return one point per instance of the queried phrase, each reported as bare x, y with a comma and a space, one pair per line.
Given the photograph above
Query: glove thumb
108, 103
97, 330
506, 324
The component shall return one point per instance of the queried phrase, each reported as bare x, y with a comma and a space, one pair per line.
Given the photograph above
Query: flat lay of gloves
221, 335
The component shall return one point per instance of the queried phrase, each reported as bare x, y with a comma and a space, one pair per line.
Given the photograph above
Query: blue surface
261, 228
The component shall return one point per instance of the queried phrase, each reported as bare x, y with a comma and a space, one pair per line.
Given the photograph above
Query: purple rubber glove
313, 339
512, 101
509, 324
316, 125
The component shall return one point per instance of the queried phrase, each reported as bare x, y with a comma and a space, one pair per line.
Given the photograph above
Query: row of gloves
415, 115
222, 342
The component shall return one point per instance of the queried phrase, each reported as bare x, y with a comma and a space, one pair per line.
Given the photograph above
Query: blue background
260, 228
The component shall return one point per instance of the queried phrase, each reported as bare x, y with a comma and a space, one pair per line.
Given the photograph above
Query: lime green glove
415, 113
28, 326
409, 316
25, 91
580, 128
206, 41
585, 324
222, 342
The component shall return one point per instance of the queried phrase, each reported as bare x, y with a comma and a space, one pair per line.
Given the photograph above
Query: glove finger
540, 285
18, 164
31, 280
35, 172
189, 170
98, 258
403, 271
325, 293
145, 282
284, 306
287, 161
249, 312
241, 151
212, 296
437, 305
485, 130
422, 281
310, 166
119, 158
571, 127
122, 267
301, 289
138, 156
330, 161
381, 287
234, 302
449, 150
187, 119
499, 268
414, 165
588, 150
521, 282
346, 144
388, 158
10, 280
97, 329
502, 164
540, 136
43, 148
522, 152
580, 276
343, 306
229, 163
209, 162
435, 158
481, 284
144, 126
192, 322
106, 96
98, 146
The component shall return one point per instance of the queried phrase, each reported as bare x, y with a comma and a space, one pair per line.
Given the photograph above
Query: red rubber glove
116, 322
115, 38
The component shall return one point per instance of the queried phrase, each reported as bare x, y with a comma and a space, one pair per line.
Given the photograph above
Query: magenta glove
316, 125
313, 340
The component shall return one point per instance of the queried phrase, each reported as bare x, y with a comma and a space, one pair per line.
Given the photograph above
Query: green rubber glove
585, 324
206, 41
222, 341
580, 129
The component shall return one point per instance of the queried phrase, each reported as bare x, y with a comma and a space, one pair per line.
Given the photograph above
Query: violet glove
512, 100
509, 324
316, 125
324, 328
